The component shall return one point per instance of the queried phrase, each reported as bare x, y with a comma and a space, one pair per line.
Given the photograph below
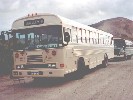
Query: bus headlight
20, 66
52, 65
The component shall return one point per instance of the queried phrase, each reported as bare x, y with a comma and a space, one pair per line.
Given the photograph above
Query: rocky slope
119, 27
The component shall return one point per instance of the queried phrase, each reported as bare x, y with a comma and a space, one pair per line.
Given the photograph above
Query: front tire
80, 69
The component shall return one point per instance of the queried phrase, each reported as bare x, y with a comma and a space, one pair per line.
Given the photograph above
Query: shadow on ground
55, 82
117, 59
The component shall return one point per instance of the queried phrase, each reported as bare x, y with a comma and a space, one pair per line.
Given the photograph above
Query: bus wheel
125, 56
129, 57
80, 68
105, 61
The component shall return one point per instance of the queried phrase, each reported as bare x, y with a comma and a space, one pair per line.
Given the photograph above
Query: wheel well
79, 59
105, 56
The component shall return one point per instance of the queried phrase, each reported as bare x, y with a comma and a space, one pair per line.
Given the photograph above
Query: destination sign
34, 22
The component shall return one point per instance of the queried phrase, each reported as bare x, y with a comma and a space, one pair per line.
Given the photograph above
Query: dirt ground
112, 83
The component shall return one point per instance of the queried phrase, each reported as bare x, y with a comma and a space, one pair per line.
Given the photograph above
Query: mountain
119, 27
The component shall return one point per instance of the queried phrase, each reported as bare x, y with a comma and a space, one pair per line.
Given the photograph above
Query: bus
123, 48
48, 45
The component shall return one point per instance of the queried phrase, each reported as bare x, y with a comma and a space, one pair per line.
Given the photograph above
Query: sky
84, 11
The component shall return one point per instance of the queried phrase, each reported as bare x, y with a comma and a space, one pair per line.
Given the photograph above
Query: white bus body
43, 50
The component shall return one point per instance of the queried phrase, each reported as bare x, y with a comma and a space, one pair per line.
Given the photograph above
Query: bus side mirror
112, 38
66, 37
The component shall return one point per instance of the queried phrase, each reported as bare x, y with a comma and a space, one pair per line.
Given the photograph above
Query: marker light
53, 53
61, 65
22, 53
16, 55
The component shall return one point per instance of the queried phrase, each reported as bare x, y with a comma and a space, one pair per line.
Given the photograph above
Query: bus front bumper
39, 73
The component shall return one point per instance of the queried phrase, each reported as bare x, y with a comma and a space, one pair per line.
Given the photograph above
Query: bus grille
34, 58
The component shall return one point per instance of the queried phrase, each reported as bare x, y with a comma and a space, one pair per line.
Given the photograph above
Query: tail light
53, 53
61, 65
47, 51
16, 55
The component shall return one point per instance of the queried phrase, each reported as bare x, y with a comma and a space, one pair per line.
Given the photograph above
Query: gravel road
112, 83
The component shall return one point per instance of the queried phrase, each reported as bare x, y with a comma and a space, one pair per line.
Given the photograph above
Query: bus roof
57, 20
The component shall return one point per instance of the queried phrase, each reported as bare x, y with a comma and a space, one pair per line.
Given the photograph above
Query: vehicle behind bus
123, 48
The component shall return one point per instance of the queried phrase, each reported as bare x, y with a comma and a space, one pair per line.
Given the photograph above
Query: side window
83, 35
95, 38
79, 35
106, 40
98, 38
91, 37
109, 40
74, 34
87, 36
93, 41
70, 35
101, 38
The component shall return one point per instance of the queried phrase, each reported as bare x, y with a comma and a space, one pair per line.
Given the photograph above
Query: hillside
119, 27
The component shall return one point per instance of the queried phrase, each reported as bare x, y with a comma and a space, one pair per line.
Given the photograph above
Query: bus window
74, 34
79, 36
48, 36
83, 36
89, 36
86, 36
93, 38
20, 41
98, 38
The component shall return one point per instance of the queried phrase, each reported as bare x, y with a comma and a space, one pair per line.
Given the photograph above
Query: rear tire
125, 56
105, 61
129, 57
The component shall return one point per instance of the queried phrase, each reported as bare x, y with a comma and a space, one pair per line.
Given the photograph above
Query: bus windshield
38, 38
119, 43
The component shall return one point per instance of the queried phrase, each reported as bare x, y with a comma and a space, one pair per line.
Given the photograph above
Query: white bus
123, 48
48, 45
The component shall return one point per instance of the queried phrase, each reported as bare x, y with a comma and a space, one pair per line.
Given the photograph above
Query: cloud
83, 11
8, 5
